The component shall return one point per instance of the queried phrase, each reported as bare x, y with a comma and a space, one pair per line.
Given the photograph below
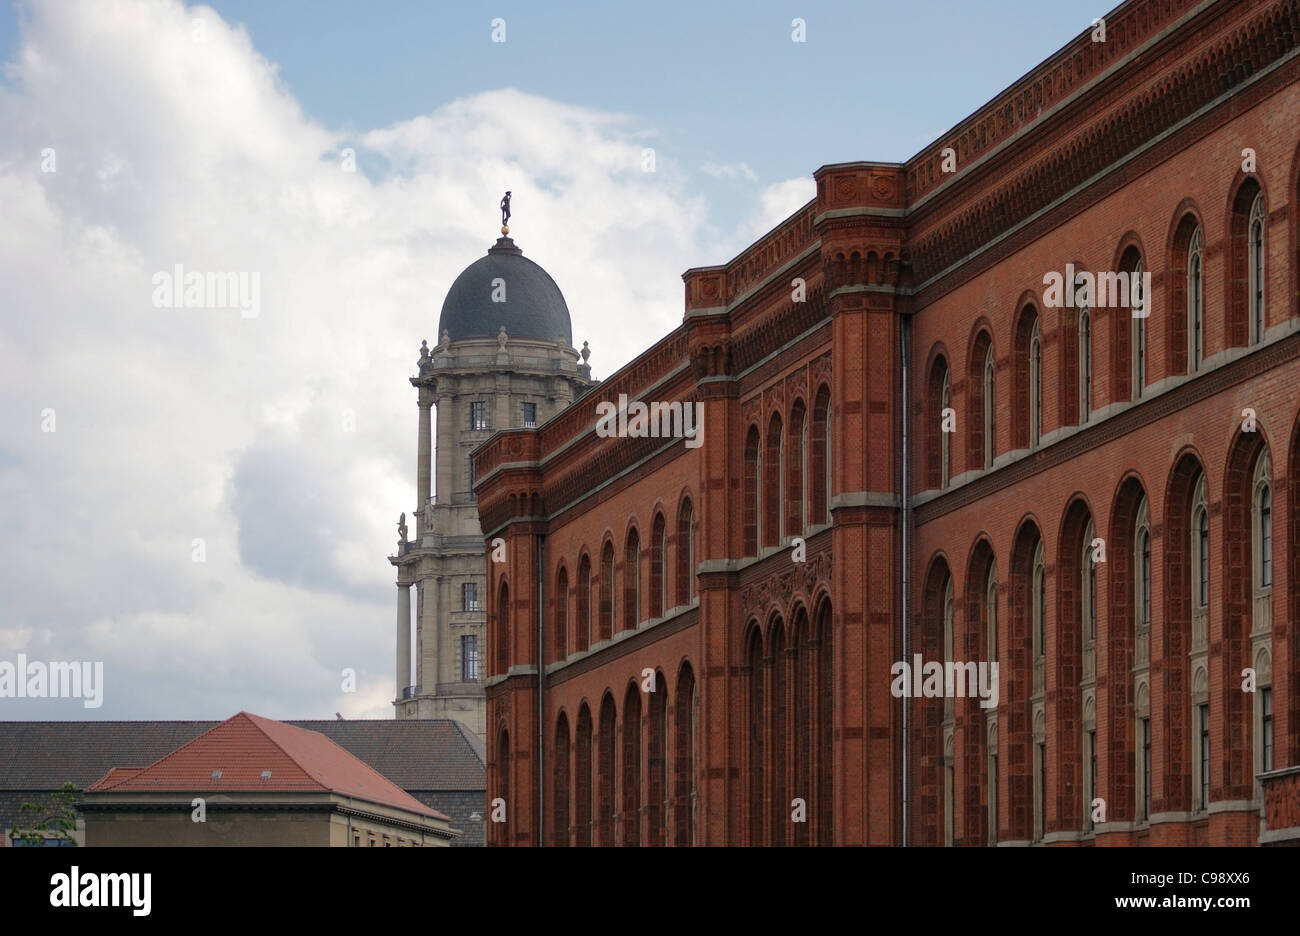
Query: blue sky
285, 441
714, 83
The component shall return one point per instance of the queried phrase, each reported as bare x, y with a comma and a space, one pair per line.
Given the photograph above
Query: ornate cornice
1113, 133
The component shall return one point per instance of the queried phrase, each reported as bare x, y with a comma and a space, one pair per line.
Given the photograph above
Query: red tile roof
243, 748
418, 754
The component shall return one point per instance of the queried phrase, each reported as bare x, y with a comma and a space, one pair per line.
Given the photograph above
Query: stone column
403, 637
424, 459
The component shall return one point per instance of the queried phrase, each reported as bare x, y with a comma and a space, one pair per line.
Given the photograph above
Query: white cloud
736, 170
776, 202
177, 424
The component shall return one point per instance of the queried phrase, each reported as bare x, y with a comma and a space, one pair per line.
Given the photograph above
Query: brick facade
823, 359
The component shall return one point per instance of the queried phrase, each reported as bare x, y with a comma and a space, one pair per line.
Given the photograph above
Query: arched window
1263, 525
583, 636
749, 520
1255, 264
685, 553
658, 580
1085, 364
947, 621
684, 757
825, 725
583, 805
949, 785
1200, 547
1040, 602
1201, 725
1142, 569
1142, 733
1244, 315
605, 622
1026, 380
1263, 728
605, 756
1139, 308
945, 454
582, 762
1039, 769
772, 483
794, 471
990, 410
503, 629
562, 614
631, 783
756, 677
777, 733
1088, 589
819, 459
991, 603
1035, 386
560, 804
632, 580
991, 729
657, 772
1195, 304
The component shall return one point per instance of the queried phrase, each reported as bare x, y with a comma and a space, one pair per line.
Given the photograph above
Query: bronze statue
505, 210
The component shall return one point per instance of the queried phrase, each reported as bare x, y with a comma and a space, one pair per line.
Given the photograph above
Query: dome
534, 307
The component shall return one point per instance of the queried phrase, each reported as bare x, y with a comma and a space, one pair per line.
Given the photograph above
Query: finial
505, 214
586, 352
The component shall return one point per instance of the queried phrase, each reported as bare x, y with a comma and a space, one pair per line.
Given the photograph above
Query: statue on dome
401, 528
505, 214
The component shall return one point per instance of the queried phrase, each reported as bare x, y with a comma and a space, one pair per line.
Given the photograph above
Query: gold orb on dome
505, 229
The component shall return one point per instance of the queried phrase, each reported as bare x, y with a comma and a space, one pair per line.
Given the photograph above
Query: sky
201, 496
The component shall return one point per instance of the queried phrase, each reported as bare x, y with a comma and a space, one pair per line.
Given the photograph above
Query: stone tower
505, 359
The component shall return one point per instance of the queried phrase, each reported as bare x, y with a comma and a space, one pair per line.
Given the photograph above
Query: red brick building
1109, 518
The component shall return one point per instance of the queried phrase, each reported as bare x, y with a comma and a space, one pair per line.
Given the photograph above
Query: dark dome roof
534, 307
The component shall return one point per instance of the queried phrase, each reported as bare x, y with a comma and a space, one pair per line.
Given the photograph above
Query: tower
505, 359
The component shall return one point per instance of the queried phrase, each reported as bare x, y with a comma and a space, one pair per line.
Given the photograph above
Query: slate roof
249, 753
534, 307
415, 754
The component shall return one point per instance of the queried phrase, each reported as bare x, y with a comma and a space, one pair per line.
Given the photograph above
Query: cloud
736, 170
776, 202
285, 442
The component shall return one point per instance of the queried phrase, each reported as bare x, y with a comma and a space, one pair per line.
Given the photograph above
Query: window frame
990, 407
1195, 302
1256, 268
1035, 386
1139, 341
1085, 365
469, 658
480, 419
